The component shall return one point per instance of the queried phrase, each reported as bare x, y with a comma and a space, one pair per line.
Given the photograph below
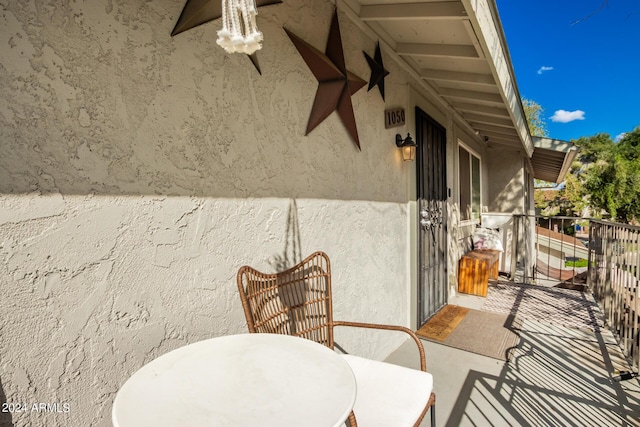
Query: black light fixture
408, 147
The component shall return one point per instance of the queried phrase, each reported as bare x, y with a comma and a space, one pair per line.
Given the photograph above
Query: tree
611, 174
533, 112
574, 194
592, 147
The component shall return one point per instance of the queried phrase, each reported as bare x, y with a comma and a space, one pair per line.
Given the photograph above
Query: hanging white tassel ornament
224, 34
239, 32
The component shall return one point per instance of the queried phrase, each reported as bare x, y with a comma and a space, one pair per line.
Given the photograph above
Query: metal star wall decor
336, 84
378, 73
198, 12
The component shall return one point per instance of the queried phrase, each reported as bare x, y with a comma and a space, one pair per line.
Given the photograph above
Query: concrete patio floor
557, 376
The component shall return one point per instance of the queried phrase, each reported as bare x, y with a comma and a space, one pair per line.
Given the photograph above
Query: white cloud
562, 116
620, 136
544, 68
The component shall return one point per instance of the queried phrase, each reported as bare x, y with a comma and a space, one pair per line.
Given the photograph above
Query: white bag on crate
487, 238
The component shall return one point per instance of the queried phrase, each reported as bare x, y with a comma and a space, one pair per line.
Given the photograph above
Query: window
527, 191
469, 179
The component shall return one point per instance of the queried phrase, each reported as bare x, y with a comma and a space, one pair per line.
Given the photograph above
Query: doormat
488, 334
443, 323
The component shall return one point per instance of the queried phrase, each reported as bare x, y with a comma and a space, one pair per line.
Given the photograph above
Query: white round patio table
240, 381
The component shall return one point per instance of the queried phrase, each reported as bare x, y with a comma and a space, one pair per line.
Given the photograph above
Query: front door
432, 216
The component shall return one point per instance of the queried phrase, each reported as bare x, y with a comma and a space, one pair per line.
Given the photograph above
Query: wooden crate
475, 269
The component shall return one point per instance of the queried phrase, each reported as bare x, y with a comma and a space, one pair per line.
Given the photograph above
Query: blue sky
578, 59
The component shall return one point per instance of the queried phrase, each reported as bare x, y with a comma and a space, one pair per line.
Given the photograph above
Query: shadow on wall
156, 115
5, 417
292, 252
510, 198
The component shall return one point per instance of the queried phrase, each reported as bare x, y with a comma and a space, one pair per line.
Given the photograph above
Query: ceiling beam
502, 139
510, 132
545, 166
456, 76
493, 142
554, 145
444, 50
493, 98
482, 109
474, 38
559, 157
429, 10
489, 120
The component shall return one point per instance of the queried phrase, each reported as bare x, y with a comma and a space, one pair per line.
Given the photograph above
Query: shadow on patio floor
558, 376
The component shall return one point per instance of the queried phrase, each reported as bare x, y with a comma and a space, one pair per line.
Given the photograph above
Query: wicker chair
298, 302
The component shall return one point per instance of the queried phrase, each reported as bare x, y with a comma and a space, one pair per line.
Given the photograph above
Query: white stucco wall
138, 172
506, 181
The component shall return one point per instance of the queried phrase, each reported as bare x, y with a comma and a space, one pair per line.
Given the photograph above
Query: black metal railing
550, 250
542, 250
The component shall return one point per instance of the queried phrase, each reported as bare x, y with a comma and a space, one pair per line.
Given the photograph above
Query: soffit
552, 159
457, 48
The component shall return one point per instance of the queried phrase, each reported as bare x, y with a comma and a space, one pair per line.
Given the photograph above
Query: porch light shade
408, 153
408, 147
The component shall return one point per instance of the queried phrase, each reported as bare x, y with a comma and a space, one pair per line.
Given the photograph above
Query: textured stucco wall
506, 181
138, 172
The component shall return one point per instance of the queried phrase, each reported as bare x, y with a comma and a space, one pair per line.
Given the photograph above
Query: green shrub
577, 263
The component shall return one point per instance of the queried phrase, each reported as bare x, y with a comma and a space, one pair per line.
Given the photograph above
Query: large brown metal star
335, 83
198, 12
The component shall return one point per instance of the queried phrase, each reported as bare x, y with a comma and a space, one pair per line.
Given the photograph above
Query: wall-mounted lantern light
407, 146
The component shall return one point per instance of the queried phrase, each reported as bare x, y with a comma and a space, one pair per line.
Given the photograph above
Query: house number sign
393, 118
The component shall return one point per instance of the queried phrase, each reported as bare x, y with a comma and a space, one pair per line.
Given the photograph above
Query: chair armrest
423, 363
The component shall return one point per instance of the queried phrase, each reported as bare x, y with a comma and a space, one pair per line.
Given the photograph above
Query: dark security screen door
432, 215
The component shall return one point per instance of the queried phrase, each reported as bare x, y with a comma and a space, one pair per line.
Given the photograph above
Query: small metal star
378, 72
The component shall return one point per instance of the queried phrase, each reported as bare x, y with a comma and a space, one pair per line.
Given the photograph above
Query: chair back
293, 302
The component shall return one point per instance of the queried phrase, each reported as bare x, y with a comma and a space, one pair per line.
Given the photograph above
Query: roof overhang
552, 158
458, 51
